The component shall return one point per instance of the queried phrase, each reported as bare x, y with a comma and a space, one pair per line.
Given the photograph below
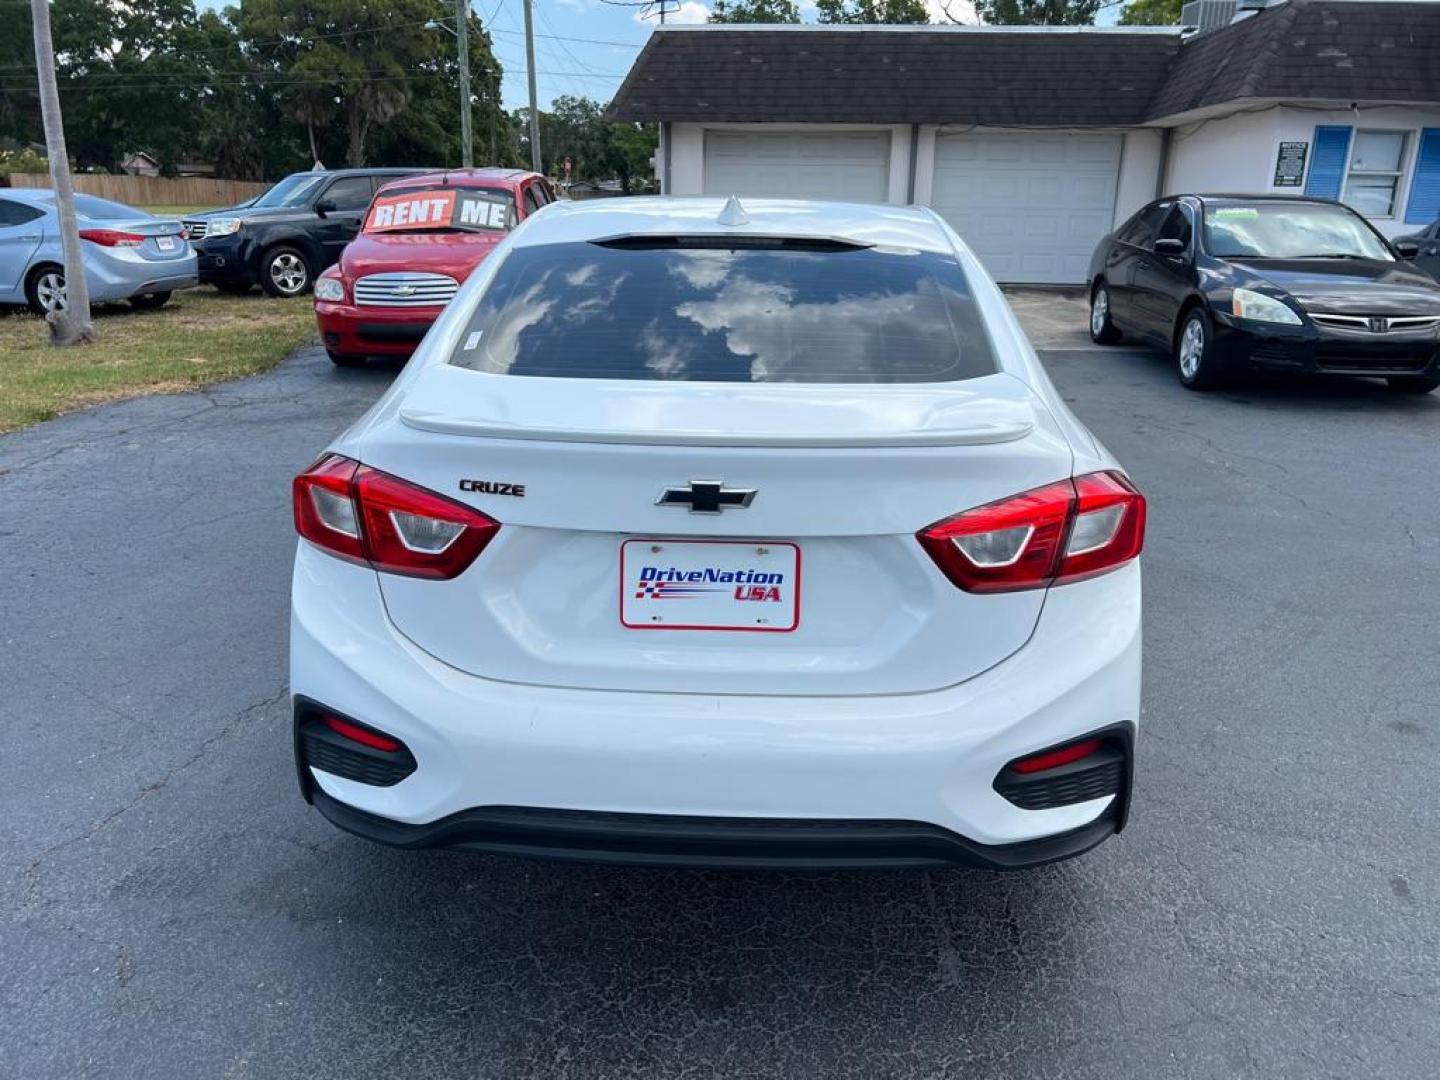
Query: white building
1035, 142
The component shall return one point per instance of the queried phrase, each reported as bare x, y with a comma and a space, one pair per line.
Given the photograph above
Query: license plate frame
647, 604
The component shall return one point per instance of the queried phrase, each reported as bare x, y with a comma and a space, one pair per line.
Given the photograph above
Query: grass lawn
200, 337
173, 211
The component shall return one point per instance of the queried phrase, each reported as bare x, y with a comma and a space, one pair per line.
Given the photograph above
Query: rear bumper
714, 843
113, 278
927, 761
1311, 350
357, 331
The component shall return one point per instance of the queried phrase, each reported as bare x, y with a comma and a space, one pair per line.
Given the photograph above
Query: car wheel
150, 300
1195, 362
284, 272
45, 290
1413, 384
345, 359
1102, 328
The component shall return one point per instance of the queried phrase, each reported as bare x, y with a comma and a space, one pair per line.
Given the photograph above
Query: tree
872, 11
1151, 13
71, 325
366, 54
753, 11
598, 149
1037, 12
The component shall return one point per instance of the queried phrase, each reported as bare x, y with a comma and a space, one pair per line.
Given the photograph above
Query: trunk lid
843, 477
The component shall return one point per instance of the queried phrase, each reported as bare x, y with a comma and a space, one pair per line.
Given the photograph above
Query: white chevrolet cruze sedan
700, 533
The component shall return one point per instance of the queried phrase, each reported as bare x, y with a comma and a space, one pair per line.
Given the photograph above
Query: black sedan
1226, 282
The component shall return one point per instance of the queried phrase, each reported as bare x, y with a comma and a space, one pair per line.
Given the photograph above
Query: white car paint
898, 697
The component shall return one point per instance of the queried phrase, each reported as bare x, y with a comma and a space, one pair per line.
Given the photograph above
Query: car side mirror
1173, 249
1408, 249
325, 206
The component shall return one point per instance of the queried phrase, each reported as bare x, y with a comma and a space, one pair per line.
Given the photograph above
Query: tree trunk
355, 154
310, 130
72, 325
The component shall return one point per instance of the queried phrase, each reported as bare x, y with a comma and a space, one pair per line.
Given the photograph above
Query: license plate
710, 585
165, 243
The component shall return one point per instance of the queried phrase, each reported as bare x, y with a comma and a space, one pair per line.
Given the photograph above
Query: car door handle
31, 237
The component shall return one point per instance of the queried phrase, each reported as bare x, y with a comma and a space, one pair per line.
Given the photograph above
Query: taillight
1061, 532
368, 516
112, 237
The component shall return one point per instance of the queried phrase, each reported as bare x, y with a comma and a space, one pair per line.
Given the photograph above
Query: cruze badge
492, 487
706, 497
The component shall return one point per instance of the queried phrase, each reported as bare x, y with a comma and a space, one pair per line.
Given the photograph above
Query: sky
585, 47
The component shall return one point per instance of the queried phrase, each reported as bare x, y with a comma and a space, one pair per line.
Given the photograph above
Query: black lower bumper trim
717, 843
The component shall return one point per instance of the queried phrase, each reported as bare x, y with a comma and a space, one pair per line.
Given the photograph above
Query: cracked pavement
169, 907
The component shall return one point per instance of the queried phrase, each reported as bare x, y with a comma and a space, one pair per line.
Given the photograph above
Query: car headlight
222, 226
330, 288
1257, 307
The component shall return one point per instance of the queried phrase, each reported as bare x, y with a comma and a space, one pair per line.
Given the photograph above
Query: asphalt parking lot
171, 908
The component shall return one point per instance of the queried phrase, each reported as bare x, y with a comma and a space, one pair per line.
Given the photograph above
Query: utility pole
462, 37
70, 326
534, 107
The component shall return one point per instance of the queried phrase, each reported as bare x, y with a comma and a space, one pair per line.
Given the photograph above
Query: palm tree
71, 324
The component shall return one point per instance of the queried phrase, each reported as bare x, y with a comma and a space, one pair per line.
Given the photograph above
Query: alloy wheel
1192, 348
1099, 311
50, 290
288, 272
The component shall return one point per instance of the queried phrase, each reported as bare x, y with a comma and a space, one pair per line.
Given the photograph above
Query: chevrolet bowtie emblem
706, 497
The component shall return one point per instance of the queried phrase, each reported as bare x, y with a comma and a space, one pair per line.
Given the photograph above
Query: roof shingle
1330, 50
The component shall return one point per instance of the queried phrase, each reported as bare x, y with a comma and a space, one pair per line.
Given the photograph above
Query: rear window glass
441, 209
720, 314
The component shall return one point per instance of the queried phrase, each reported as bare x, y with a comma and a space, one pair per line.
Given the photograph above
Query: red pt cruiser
422, 237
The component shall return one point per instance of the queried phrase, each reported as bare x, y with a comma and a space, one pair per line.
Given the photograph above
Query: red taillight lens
1061, 532
365, 515
1053, 759
112, 237
1108, 529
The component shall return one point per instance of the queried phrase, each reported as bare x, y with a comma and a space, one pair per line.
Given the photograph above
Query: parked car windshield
295, 190
765, 312
1277, 230
438, 208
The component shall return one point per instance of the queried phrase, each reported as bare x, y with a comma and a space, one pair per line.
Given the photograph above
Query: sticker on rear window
441, 209
472, 339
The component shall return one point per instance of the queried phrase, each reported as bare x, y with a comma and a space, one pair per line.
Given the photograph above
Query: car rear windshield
441, 209
1278, 230
769, 311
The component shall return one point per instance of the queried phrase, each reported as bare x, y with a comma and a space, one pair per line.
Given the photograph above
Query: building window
1377, 165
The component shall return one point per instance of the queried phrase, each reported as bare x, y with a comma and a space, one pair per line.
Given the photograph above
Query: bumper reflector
1073, 773
347, 749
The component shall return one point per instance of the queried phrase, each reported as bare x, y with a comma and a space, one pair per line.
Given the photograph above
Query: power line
262, 83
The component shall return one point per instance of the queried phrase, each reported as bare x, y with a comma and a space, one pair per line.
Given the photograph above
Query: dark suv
286, 237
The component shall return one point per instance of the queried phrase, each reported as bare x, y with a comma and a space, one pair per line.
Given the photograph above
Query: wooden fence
152, 190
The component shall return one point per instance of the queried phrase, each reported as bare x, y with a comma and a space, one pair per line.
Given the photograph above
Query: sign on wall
1290, 164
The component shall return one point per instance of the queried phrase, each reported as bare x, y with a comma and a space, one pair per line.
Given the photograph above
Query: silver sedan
129, 254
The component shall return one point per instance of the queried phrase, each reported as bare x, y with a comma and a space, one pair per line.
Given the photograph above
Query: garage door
1032, 207
849, 166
